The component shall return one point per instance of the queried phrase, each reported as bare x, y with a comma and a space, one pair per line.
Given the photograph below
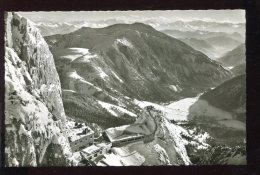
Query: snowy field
177, 110
76, 53
115, 110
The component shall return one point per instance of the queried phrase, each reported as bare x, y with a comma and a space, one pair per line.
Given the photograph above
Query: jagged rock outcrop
34, 113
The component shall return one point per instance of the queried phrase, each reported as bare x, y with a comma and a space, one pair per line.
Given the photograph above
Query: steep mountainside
202, 46
235, 94
34, 113
235, 57
239, 69
117, 53
225, 108
125, 61
223, 44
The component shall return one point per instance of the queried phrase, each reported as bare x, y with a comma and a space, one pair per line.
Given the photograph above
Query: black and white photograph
125, 88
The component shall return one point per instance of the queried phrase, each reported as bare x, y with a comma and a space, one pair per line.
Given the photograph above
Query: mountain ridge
109, 63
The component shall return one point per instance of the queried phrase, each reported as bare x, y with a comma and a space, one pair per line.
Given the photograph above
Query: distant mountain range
191, 32
50, 28
200, 34
213, 44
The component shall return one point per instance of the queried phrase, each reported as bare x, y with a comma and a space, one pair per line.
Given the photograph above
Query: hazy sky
234, 16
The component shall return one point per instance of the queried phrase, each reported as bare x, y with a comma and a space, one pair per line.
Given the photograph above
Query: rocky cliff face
34, 113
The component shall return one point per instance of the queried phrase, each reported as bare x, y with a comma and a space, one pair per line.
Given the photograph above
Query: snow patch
128, 159
173, 88
117, 77
74, 53
76, 76
125, 42
162, 155
68, 90
115, 110
102, 74
178, 110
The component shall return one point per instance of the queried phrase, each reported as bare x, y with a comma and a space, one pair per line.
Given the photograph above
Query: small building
94, 151
118, 137
79, 135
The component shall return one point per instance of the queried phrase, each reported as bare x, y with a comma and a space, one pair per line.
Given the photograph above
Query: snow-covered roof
116, 134
125, 42
90, 149
76, 131
103, 145
77, 155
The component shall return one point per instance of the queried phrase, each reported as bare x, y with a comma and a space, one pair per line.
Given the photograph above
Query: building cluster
87, 148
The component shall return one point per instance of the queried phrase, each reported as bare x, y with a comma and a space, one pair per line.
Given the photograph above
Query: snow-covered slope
34, 113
